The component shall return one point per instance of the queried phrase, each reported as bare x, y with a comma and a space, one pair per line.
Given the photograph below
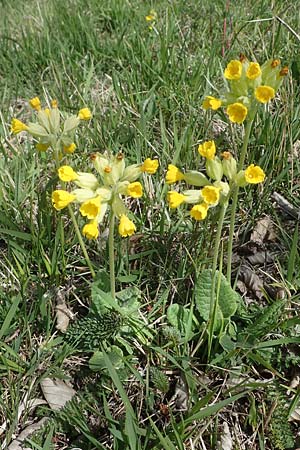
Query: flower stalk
111, 254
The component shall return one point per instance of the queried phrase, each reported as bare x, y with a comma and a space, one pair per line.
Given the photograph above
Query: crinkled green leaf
115, 354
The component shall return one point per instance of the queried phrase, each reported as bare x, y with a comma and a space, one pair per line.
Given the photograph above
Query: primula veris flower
69, 148
233, 70
211, 103
150, 166
85, 114
66, 173
54, 103
135, 189
61, 199
229, 165
17, 126
237, 112
173, 174
254, 174
35, 103
264, 94
207, 149
91, 208
151, 16
199, 212
90, 230
126, 226
253, 71
175, 199
210, 195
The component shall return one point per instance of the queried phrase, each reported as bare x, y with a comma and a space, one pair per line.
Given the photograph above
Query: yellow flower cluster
96, 194
50, 129
248, 84
217, 185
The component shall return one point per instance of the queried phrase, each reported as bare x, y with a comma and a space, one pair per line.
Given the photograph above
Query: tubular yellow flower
66, 173
173, 174
17, 126
42, 147
207, 149
253, 71
237, 112
35, 103
61, 199
90, 230
211, 103
150, 166
175, 199
210, 195
70, 148
264, 93
135, 189
233, 70
126, 226
85, 114
254, 174
199, 212
54, 103
91, 208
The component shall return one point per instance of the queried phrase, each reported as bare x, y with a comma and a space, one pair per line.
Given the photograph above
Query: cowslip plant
105, 192
248, 86
217, 187
54, 131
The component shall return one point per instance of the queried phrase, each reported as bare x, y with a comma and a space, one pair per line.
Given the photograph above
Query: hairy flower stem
235, 199
111, 253
214, 297
77, 231
81, 242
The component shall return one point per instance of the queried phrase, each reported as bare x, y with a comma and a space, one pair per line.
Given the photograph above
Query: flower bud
192, 196
229, 165
195, 178
240, 179
214, 168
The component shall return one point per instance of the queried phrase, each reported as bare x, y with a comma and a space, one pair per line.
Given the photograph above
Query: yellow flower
210, 195
85, 114
211, 103
70, 148
254, 174
17, 126
264, 93
175, 199
233, 70
151, 16
237, 112
91, 208
61, 199
253, 71
42, 147
90, 230
173, 174
54, 103
207, 149
135, 189
126, 226
199, 212
150, 166
47, 111
35, 103
66, 173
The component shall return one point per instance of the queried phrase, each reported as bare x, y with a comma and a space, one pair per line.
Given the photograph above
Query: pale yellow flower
237, 112
150, 166
175, 199
91, 208
126, 226
173, 174
233, 70
70, 148
253, 71
199, 212
211, 103
85, 114
17, 126
66, 173
35, 103
135, 189
210, 195
207, 149
90, 230
61, 199
254, 174
264, 93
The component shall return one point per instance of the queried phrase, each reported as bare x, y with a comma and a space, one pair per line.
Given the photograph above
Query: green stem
80, 240
111, 253
235, 198
214, 300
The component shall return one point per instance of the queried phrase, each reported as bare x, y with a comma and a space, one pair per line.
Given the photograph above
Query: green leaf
98, 363
228, 298
203, 293
129, 300
178, 317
